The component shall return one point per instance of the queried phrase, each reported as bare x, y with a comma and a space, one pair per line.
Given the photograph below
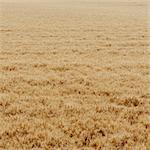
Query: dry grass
74, 75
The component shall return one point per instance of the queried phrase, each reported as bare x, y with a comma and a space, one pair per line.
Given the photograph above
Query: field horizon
74, 75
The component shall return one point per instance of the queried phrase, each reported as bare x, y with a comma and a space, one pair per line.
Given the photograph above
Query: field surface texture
74, 75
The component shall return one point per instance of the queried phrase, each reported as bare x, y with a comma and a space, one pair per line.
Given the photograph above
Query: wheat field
74, 75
